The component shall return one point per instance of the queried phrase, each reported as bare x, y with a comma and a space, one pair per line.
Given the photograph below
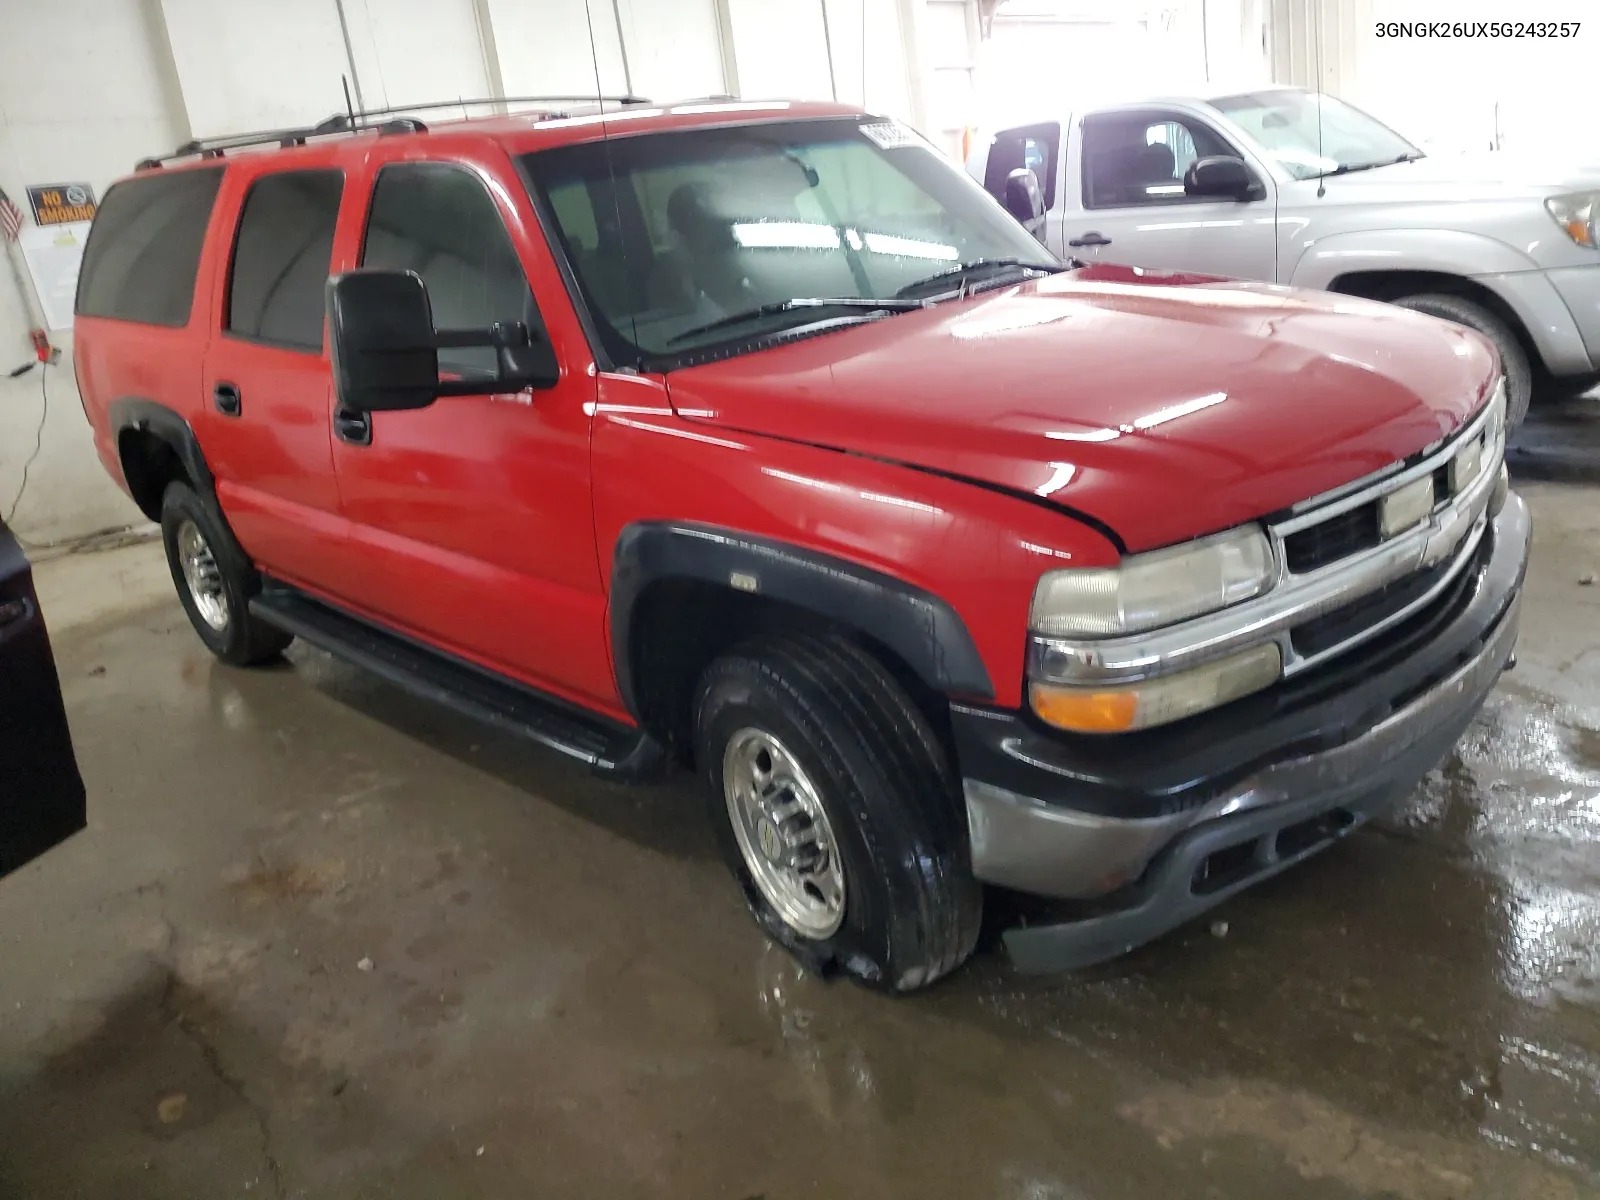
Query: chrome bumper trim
1022, 843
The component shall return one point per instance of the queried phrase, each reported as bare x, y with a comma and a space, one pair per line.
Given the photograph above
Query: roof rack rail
353, 123
479, 101
216, 147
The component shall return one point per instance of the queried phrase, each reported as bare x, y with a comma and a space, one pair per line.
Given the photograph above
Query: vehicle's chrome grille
1354, 524
1328, 537
1337, 537
1342, 624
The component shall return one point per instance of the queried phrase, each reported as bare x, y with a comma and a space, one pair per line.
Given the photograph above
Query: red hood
1165, 406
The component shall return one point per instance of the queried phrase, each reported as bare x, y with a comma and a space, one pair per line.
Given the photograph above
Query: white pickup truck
1256, 186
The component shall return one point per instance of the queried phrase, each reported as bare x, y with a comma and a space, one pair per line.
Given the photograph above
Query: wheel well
1392, 285
679, 626
149, 464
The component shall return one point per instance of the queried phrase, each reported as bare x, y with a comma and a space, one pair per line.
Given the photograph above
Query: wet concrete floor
323, 940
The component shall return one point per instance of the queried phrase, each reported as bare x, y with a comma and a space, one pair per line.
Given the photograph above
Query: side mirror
380, 329
1025, 200
386, 349
1224, 176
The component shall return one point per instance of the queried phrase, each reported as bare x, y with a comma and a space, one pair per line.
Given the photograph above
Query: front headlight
1158, 701
1159, 588
1578, 214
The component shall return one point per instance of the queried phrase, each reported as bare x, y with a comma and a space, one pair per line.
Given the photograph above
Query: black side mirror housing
1223, 176
1025, 200
386, 349
380, 330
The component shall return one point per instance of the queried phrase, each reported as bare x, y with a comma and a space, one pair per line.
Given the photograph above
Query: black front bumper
1165, 824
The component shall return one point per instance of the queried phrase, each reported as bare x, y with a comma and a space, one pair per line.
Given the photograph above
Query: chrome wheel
201, 573
783, 833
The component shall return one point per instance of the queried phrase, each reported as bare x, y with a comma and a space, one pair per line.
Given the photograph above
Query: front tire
1513, 359
215, 581
837, 811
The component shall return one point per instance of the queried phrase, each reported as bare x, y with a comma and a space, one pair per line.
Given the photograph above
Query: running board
608, 748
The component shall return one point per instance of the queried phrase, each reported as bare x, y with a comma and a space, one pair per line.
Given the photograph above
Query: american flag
10, 217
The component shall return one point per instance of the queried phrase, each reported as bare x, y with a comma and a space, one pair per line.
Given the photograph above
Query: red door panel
470, 521
273, 462
266, 387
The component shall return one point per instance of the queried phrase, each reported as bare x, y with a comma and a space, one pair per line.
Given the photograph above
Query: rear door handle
226, 400
1092, 238
352, 426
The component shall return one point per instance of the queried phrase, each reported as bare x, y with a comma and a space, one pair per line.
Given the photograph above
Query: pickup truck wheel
1513, 359
837, 812
215, 581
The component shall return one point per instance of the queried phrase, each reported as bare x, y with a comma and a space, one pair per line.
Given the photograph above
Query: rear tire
840, 735
215, 581
1513, 359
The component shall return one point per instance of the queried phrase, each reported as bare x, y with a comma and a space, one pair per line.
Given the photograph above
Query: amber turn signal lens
1160, 700
1085, 712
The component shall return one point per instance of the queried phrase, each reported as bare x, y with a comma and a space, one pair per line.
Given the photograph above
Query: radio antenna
1322, 179
605, 140
348, 107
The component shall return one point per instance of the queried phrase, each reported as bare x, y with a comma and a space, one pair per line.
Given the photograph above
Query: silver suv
1299, 188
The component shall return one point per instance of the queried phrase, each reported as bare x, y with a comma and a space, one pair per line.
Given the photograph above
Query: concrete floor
323, 940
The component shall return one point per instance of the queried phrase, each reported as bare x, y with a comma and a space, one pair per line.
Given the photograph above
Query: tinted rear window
144, 248
281, 257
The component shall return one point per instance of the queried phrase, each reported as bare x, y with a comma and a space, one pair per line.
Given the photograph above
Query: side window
1140, 158
1031, 146
439, 221
144, 248
281, 257
1177, 138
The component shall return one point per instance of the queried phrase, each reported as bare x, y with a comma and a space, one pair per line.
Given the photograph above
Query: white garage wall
1048, 57
413, 51
674, 48
82, 95
244, 65
1448, 94
781, 49
544, 48
1530, 95
869, 56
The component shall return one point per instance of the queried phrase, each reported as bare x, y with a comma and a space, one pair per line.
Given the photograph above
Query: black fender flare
147, 416
915, 624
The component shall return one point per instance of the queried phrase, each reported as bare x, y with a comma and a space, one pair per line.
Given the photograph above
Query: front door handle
1093, 238
353, 426
226, 400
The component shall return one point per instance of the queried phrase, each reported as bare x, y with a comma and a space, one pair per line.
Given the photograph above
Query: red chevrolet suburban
760, 438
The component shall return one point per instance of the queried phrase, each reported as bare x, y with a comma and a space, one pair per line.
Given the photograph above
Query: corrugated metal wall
1318, 43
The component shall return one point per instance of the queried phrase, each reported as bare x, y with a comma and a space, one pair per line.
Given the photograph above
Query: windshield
1285, 123
709, 224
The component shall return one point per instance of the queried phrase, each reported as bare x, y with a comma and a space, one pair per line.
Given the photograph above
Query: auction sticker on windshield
889, 135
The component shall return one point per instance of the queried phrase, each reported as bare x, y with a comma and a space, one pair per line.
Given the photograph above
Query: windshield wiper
892, 304
962, 273
1346, 168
